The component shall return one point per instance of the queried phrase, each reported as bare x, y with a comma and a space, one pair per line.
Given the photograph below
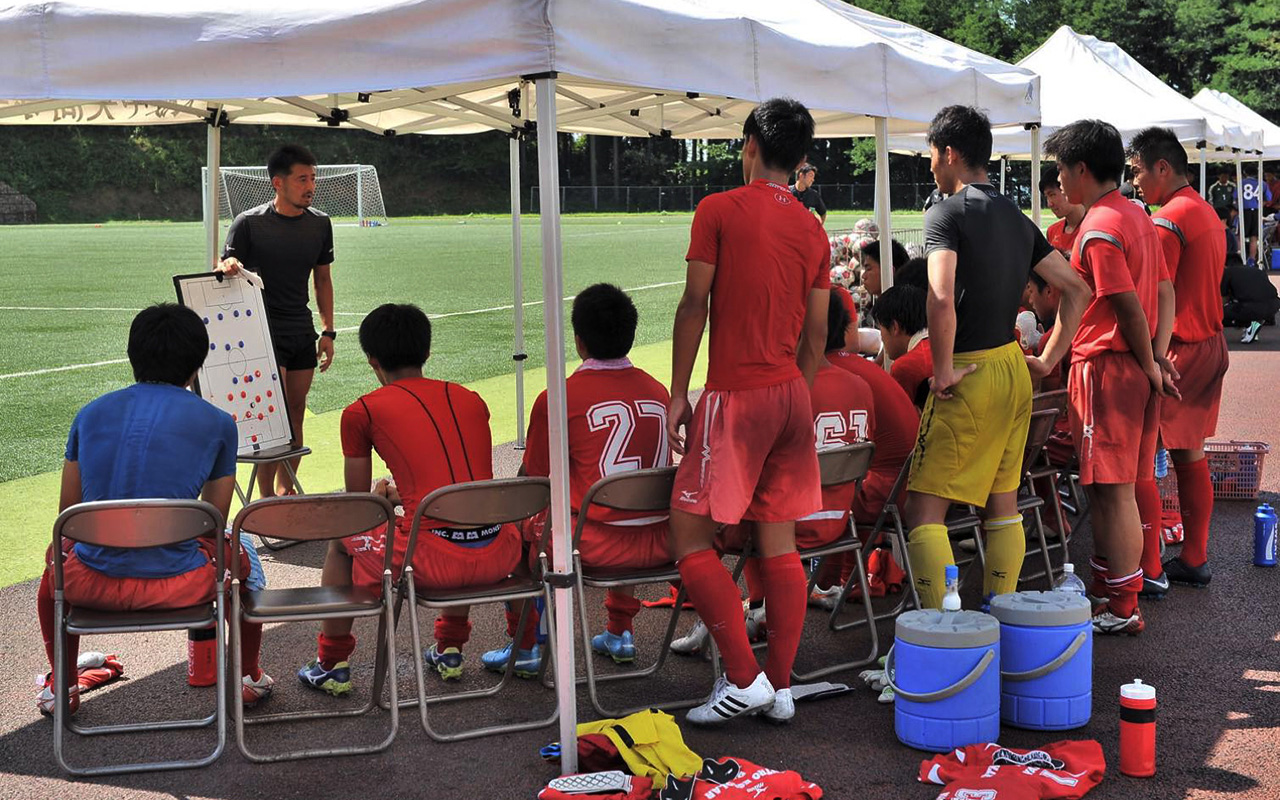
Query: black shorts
295, 350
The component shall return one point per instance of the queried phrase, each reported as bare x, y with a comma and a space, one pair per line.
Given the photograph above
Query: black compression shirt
283, 250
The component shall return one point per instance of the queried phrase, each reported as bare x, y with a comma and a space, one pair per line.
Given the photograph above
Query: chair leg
870, 620
288, 468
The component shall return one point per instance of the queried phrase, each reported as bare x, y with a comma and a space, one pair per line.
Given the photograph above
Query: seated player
153, 439
913, 273
1061, 234
900, 313
431, 434
617, 423
871, 263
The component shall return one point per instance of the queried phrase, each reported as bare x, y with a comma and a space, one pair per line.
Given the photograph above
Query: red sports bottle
202, 657
1138, 729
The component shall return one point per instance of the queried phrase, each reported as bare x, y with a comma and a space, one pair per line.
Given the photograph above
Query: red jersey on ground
617, 423
769, 252
1060, 238
913, 371
1065, 770
430, 433
897, 420
1195, 253
1117, 251
843, 413
729, 778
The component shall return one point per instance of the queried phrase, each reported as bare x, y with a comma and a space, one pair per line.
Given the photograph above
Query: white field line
489, 310
63, 308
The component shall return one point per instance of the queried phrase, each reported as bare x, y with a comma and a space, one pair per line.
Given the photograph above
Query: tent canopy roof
692, 68
1225, 105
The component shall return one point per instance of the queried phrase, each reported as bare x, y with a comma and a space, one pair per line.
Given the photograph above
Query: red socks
622, 609
755, 586
784, 589
529, 636
452, 632
715, 596
1152, 515
1195, 496
1098, 586
330, 651
1122, 593
44, 610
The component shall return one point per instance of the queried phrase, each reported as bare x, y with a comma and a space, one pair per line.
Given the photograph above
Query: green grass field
69, 293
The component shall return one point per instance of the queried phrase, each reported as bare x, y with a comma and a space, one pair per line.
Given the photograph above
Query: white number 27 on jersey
620, 418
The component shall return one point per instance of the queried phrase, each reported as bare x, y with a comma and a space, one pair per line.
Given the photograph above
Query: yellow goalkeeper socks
1006, 547
930, 553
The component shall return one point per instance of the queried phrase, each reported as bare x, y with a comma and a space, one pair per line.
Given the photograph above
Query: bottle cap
1138, 690
1069, 568
952, 572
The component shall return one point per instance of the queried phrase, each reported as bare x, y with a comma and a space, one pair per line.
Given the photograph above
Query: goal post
349, 193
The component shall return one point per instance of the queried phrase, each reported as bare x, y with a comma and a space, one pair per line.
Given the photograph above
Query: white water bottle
951, 600
1069, 582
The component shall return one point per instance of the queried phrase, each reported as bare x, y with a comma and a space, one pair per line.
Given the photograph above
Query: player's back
843, 407
769, 252
896, 420
1195, 253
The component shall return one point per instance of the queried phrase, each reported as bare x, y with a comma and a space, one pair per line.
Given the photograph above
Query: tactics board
239, 376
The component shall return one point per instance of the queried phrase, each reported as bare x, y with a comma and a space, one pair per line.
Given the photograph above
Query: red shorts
1186, 423
85, 587
609, 545
749, 454
1115, 418
810, 533
872, 496
437, 564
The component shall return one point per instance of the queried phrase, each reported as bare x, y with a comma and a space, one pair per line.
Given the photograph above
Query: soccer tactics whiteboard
240, 375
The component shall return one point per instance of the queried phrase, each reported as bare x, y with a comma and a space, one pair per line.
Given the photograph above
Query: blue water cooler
1046, 659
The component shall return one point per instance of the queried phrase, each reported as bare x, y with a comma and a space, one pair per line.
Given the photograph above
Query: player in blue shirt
151, 440
1251, 190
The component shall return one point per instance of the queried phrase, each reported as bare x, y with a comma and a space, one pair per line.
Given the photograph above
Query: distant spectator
1251, 191
1223, 193
935, 197
1249, 299
1273, 183
1231, 222
805, 193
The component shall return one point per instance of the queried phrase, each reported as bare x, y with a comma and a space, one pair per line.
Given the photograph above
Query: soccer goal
349, 193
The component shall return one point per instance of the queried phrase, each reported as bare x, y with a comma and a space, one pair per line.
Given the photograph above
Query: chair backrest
845, 464
482, 503
637, 490
1038, 433
315, 517
1056, 400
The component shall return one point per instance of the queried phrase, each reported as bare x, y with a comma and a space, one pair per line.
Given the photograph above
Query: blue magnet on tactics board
212, 346
248, 312
235, 380
228, 345
235, 313
219, 316
206, 320
241, 344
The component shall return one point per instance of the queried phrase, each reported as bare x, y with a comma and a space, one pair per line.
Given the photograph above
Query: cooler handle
1040, 672
941, 694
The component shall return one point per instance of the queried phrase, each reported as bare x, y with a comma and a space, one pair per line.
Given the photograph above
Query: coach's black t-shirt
283, 250
812, 200
996, 246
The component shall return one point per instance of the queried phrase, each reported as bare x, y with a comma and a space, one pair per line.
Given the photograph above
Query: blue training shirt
149, 440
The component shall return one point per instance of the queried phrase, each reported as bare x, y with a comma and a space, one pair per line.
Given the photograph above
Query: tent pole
557, 415
212, 207
1035, 175
1240, 223
517, 269
1004, 171
1204, 173
1263, 262
882, 216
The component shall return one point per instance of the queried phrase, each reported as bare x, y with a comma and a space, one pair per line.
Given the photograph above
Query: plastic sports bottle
1138, 729
1264, 536
1162, 463
951, 600
1070, 581
202, 657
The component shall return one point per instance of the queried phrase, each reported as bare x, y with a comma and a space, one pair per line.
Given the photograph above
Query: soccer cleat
1155, 588
1177, 571
693, 642
45, 698
824, 598
528, 662
783, 709
728, 701
336, 681
1251, 333
447, 663
1108, 624
757, 630
254, 692
620, 647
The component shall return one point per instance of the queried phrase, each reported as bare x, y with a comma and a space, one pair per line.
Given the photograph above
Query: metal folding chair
135, 524
275, 455
646, 490
474, 505
308, 518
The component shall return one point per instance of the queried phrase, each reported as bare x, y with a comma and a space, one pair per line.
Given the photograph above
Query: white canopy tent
1227, 106
685, 68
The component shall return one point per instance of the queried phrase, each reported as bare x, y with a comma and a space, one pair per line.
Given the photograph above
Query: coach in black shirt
289, 243
805, 193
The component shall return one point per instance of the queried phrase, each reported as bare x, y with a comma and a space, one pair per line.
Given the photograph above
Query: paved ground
1214, 656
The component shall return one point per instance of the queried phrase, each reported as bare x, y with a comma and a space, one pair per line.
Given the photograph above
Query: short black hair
1049, 177
806, 168
913, 273
838, 321
1153, 144
398, 335
784, 130
900, 257
904, 305
1091, 142
604, 318
1041, 283
964, 129
167, 343
283, 161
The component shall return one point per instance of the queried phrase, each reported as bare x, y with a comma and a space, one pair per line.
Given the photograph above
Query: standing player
1222, 193
1252, 192
981, 248
763, 263
803, 191
1194, 253
288, 242
1061, 234
1115, 381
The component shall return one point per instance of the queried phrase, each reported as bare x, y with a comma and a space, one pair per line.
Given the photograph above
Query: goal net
349, 193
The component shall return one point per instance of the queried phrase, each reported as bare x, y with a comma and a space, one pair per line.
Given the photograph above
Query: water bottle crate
1236, 468
1168, 486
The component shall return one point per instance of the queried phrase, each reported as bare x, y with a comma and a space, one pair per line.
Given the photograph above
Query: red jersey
728, 778
430, 434
1064, 770
617, 423
1195, 252
897, 420
769, 252
843, 413
1060, 238
1117, 251
913, 371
